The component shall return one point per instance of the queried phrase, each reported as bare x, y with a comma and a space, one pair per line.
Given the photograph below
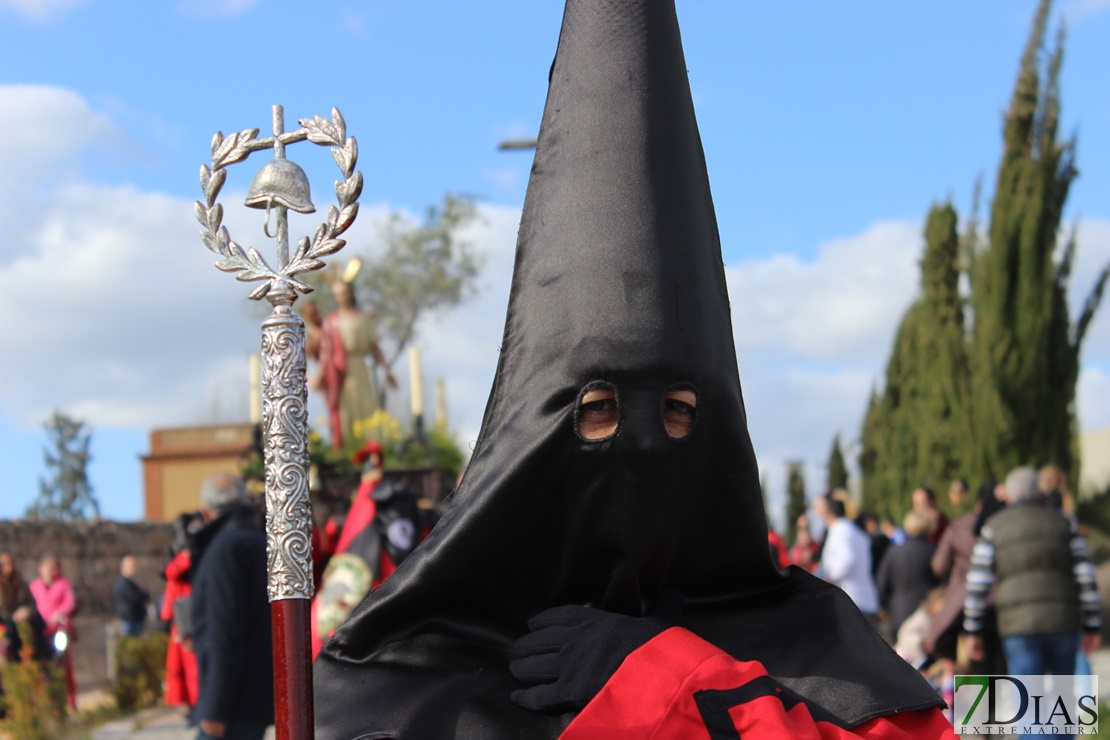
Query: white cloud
117, 314
1092, 256
39, 10
1077, 10
840, 307
812, 337
461, 346
46, 130
1093, 392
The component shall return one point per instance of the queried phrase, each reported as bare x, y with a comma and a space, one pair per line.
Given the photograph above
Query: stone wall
89, 554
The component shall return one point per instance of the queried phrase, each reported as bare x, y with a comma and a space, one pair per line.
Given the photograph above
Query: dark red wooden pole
293, 713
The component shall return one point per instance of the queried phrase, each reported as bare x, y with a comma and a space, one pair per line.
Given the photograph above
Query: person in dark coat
130, 598
231, 616
880, 543
906, 575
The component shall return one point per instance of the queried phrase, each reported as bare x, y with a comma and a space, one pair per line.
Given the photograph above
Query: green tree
416, 270
1025, 348
837, 470
67, 494
977, 393
796, 503
422, 270
917, 430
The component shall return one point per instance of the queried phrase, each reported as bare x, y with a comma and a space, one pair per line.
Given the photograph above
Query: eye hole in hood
680, 411
597, 412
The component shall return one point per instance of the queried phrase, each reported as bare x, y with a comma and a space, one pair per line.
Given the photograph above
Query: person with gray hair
230, 616
220, 493
1022, 485
1046, 592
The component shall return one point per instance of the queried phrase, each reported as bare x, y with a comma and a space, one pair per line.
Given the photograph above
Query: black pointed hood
618, 281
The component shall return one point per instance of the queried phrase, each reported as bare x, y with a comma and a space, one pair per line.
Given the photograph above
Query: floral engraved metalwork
285, 421
284, 390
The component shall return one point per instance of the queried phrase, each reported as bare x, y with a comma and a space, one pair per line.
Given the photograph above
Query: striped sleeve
980, 578
1084, 572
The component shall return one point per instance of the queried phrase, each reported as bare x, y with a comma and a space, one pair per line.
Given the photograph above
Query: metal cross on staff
278, 186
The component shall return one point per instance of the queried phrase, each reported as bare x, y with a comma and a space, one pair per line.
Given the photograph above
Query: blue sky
829, 129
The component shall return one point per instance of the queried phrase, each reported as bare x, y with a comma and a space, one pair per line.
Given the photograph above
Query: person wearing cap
230, 616
602, 570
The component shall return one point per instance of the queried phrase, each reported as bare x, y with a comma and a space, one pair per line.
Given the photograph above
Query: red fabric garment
177, 583
804, 556
182, 683
778, 547
680, 686
938, 530
361, 513
323, 547
333, 373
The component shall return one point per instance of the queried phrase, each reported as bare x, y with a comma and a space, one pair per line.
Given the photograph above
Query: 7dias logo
1026, 705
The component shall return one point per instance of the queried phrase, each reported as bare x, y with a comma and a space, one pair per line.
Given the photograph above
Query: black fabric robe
618, 280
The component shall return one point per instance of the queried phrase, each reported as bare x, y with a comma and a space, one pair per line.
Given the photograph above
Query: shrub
140, 664
34, 698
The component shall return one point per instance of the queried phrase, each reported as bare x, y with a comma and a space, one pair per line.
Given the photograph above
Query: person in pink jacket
56, 602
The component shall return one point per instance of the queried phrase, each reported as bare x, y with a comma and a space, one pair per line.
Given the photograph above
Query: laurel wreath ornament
249, 263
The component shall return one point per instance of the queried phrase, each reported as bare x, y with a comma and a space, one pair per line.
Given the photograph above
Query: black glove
572, 651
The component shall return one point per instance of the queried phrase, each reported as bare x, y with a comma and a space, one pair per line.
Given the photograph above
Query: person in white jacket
846, 557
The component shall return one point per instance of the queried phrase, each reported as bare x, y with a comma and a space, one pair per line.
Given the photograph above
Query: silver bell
283, 182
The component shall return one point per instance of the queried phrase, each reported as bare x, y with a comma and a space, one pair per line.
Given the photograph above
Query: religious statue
347, 339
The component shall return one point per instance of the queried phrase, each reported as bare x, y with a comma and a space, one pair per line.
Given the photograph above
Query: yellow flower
380, 426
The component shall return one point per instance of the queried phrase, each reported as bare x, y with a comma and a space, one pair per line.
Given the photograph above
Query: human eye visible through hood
598, 413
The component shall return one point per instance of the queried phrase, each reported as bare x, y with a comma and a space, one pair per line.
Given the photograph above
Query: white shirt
846, 561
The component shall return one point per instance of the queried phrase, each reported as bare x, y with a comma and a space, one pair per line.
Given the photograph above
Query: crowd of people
219, 663
36, 618
213, 606
1007, 586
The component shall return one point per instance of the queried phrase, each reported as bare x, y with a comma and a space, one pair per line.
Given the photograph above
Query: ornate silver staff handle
279, 186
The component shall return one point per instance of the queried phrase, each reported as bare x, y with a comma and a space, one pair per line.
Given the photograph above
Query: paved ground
159, 723
167, 723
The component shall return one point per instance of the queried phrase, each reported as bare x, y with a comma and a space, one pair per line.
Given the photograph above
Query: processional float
281, 185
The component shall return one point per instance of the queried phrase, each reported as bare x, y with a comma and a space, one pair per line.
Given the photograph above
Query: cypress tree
796, 503
837, 470
1025, 349
918, 429
980, 395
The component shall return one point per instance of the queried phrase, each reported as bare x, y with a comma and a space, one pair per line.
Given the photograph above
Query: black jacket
905, 578
231, 622
131, 599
